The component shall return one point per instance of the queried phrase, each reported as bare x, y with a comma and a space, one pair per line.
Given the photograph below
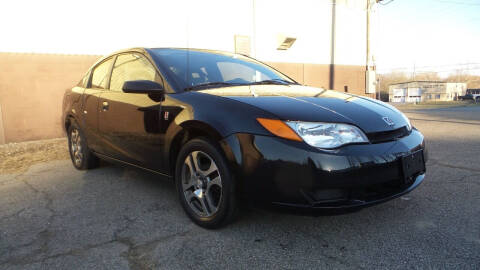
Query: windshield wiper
273, 81
210, 84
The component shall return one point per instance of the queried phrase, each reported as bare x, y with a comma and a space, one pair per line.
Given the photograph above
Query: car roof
145, 50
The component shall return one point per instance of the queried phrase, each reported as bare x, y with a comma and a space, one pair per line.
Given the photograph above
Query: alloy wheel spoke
194, 160
215, 181
211, 169
189, 185
209, 202
205, 206
189, 196
189, 163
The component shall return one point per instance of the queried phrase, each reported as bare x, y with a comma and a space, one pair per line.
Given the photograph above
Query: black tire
88, 159
225, 209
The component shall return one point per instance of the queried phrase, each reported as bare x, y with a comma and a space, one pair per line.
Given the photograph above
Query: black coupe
228, 128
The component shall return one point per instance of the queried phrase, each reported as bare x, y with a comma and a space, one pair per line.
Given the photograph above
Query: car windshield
197, 69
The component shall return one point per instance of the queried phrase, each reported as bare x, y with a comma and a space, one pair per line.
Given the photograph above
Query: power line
458, 3
426, 67
448, 70
384, 4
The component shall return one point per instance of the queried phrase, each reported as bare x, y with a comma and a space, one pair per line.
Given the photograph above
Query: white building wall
100, 27
213, 25
351, 32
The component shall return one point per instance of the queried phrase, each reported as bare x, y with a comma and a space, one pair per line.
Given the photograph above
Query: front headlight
327, 135
409, 124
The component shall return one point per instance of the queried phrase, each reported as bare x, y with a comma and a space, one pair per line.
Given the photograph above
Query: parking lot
52, 216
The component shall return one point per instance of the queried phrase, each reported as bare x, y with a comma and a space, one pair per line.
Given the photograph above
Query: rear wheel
205, 185
82, 157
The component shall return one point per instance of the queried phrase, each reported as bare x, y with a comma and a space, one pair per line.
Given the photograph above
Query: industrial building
420, 91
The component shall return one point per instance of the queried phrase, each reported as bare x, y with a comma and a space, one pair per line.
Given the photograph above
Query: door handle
105, 106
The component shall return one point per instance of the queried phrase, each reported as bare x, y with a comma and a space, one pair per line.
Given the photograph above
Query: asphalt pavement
55, 217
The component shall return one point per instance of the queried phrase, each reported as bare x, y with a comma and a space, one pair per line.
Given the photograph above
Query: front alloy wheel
205, 185
202, 184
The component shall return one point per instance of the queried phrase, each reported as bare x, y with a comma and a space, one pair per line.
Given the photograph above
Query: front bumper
295, 175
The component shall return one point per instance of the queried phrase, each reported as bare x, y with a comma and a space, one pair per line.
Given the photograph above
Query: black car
466, 97
228, 128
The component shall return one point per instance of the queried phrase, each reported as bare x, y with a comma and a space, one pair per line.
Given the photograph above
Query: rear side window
100, 74
130, 67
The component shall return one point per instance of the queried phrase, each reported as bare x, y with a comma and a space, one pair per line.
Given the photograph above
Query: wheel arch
68, 121
189, 130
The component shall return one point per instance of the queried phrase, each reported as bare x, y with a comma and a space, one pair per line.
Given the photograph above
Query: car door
129, 123
97, 83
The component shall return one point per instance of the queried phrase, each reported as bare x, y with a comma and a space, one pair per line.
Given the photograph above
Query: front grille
365, 194
385, 136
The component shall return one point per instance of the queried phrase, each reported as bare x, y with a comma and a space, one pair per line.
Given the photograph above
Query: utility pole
368, 34
370, 67
331, 84
414, 70
254, 29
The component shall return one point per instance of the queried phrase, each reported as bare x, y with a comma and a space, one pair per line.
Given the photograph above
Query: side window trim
109, 73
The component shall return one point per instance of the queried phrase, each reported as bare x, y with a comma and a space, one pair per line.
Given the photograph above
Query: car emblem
388, 121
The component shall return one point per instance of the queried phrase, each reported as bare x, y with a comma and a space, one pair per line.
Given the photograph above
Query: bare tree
472, 81
385, 80
428, 76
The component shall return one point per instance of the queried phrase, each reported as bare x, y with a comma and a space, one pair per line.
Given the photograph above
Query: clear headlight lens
327, 135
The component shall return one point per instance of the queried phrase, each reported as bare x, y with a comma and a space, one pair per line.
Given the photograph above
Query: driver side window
130, 67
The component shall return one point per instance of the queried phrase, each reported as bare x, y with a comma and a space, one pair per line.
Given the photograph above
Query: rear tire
81, 156
205, 185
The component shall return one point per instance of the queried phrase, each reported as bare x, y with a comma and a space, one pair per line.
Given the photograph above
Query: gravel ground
55, 217
18, 157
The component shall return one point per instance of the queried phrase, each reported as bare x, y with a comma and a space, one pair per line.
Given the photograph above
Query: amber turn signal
279, 128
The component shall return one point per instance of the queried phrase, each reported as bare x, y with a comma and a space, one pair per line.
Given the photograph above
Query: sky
430, 35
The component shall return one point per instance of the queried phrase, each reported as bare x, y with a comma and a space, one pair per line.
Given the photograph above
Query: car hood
303, 103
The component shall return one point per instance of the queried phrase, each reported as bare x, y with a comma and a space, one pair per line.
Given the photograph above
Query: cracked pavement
54, 217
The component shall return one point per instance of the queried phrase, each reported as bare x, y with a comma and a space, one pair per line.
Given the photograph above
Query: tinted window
100, 74
130, 67
186, 68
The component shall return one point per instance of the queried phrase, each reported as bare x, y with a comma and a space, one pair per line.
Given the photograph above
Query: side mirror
142, 87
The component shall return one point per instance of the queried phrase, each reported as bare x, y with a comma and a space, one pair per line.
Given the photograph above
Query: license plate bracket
412, 164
